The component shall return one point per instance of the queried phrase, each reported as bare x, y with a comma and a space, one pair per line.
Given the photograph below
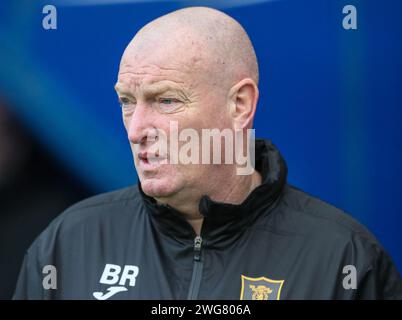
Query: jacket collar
224, 221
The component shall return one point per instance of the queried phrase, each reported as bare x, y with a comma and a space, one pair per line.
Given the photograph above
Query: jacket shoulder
335, 239
315, 215
112, 209
116, 197
322, 227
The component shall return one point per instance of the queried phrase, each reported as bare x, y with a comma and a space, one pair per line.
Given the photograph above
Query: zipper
197, 270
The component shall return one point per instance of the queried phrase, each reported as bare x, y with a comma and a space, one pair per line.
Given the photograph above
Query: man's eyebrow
149, 91
121, 89
159, 88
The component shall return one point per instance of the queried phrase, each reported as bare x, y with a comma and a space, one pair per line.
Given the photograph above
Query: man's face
155, 90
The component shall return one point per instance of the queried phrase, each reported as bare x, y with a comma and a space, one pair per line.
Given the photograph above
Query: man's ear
243, 97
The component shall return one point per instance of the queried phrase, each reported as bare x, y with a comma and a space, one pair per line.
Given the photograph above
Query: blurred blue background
331, 99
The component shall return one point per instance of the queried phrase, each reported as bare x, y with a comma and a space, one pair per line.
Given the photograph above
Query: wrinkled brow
122, 89
151, 90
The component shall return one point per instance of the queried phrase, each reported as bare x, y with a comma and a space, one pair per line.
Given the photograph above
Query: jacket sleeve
29, 284
380, 279
33, 278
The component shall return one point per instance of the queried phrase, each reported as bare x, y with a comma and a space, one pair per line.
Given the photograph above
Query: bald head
187, 71
205, 40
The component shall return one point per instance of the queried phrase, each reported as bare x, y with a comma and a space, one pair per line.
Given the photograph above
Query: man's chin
157, 188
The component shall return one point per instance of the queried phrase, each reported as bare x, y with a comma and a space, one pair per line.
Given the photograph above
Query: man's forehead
162, 59
154, 74
155, 86
165, 58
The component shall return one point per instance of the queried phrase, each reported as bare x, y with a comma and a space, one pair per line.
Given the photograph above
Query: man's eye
169, 104
126, 103
166, 101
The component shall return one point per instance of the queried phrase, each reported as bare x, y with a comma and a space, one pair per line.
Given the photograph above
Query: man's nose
140, 126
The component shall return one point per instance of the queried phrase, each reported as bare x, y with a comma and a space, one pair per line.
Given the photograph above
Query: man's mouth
143, 156
150, 158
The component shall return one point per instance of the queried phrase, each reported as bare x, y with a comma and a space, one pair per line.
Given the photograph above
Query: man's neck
236, 190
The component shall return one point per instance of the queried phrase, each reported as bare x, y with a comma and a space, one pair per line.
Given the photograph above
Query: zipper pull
197, 248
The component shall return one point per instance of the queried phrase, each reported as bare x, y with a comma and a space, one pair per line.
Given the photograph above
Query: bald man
201, 224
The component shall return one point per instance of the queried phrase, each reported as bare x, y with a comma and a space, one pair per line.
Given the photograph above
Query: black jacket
280, 243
